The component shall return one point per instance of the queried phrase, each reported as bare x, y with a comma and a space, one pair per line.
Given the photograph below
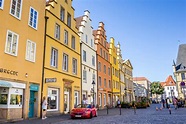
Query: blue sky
149, 31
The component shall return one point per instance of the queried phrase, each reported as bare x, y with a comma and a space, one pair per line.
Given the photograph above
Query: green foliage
156, 88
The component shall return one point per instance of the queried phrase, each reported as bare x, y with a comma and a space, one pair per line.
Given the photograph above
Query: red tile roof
139, 79
169, 82
78, 21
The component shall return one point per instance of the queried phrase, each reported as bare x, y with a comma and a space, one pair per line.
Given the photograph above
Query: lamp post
125, 92
93, 83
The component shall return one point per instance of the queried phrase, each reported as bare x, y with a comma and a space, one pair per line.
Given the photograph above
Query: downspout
81, 71
43, 78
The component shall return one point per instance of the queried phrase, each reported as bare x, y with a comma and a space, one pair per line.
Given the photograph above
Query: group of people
175, 101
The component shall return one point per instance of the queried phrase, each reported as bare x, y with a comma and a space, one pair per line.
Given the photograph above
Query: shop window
3, 98
15, 99
52, 99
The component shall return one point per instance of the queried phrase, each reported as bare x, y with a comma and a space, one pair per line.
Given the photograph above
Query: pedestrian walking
175, 102
118, 103
44, 107
163, 103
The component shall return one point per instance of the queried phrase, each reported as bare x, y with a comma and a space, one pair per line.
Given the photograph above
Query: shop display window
4, 99
52, 99
15, 99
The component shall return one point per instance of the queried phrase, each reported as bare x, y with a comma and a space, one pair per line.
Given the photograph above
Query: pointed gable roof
127, 62
169, 82
181, 58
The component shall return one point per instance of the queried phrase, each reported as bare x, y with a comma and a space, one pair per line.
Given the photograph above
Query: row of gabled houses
45, 51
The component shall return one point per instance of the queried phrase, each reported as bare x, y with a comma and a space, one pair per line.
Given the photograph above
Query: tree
156, 88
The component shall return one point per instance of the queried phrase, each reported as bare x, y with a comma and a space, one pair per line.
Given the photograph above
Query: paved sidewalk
62, 117
48, 120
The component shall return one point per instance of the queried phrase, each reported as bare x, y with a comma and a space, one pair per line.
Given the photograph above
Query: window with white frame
91, 43
73, 43
93, 60
99, 81
65, 62
62, 14
53, 99
105, 83
106, 56
100, 51
105, 69
100, 99
183, 76
33, 18
108, 71
57, 31
76, 98
66, 37
15, 8
109, 84
84, 76
99, 66
86, 38
54, 57
30, 51
11, 43
69, 20
93, 77
105, 100
114, 60
74, 66
84, 56
1, 4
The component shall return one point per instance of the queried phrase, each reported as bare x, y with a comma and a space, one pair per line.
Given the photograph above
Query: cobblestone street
142, 116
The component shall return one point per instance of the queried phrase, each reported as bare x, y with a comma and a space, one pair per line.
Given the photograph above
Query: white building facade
88, 59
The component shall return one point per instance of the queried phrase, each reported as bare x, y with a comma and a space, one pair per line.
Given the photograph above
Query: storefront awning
5, 84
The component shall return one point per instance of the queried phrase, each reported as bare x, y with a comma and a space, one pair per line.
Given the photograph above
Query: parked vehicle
84, 111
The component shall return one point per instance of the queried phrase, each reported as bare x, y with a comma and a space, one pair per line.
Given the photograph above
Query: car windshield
84, 106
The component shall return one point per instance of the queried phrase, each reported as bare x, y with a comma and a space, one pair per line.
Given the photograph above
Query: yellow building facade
62, 71
21, 51
115, 71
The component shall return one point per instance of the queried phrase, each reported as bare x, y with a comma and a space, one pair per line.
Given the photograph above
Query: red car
84, 111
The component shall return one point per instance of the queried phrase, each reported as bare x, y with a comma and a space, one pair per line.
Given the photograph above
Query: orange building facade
103, 67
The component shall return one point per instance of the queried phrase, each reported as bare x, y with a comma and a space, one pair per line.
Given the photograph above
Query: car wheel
96, 114
91, 115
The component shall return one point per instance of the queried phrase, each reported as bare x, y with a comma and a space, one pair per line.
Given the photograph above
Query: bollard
107, 109
120, 109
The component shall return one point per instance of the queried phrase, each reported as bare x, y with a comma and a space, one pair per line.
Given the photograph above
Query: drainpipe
43, 78
81, 70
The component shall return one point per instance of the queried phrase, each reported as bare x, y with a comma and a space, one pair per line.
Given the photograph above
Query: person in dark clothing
163, 103
166, 103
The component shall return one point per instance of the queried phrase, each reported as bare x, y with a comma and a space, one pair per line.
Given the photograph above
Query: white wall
86, 29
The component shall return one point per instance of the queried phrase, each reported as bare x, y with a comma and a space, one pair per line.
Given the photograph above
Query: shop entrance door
31, 105
66, 102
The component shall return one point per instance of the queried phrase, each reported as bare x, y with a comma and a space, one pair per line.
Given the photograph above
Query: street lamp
125, 92
93, 83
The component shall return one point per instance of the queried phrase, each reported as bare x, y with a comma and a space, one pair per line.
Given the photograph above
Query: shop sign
7, 71
182, 84
49, 80
34, 87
